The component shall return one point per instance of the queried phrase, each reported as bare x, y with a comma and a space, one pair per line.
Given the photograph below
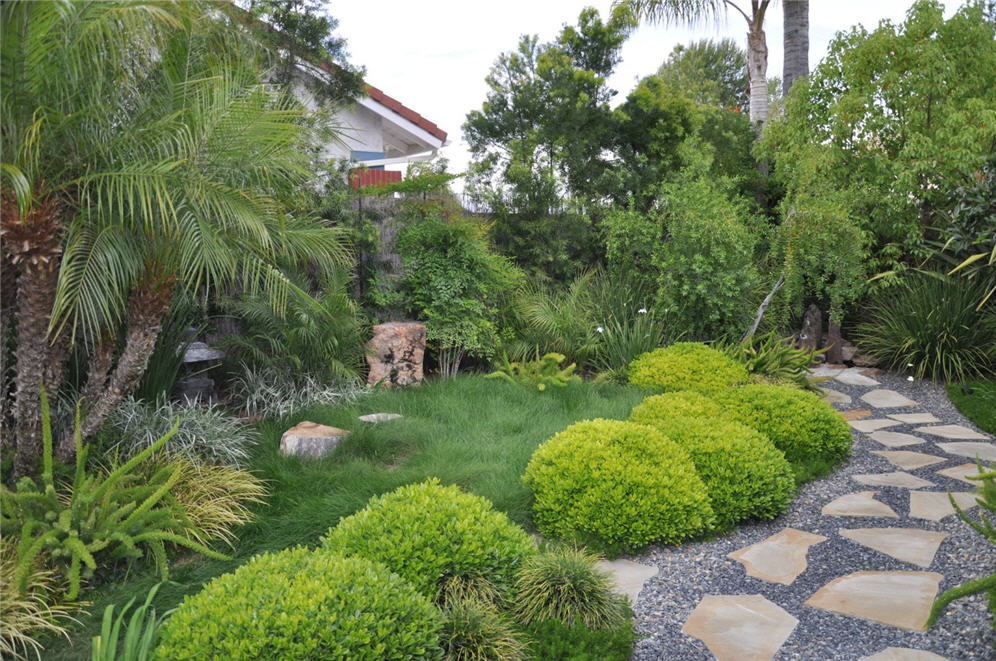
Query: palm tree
691, 12
177, 173
796, 39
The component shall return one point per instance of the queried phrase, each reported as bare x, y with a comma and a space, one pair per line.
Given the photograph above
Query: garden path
851, 571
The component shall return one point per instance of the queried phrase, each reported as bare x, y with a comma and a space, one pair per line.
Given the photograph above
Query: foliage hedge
616, 486
679, 404
686, 366
799, 423
429, 533
745, 474
302, 604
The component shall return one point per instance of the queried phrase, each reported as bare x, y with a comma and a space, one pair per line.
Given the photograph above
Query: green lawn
979, 406
471, 431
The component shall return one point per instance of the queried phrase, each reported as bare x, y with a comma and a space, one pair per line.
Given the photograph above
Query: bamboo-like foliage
97, 517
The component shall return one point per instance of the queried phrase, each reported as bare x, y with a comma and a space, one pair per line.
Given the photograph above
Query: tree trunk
796, 65
757, 71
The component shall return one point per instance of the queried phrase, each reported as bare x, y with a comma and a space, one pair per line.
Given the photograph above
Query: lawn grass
979, 406
469, 431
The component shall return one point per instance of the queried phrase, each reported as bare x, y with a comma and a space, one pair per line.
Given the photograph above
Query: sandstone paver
935, 505
887, 399
780, 558
908, 460
744, 627
915, 418
954, 432
897, 598
860, 503
628, 576
903, 654
856, 414
894, 479
912, 545
962, 472
854, 377
895, 439
375, 418
868, 426
835, 396
983, 451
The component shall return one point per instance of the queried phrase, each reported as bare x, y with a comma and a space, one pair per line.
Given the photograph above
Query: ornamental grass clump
475, 631
746, 475
616, 486
299, 605
686, 366
429, 533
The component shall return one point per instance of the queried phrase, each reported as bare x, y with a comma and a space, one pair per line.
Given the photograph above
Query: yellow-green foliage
746, 475
616, 486
429, 533
298, 605
686, 366
801, 425
683, 403
538, 373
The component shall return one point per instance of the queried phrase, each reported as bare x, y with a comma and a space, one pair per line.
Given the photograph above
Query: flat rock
310, 440
897, 598
962, 472
853, 377
856, 414
908, 460
868, 426
914, 418
374, 418
887, 399
903, 654
895, 439
956, 432
861, 503
983, 451
744, 627
628, 576
826, 370
917, 547
780, 558
894, 479
835, 397
935, 505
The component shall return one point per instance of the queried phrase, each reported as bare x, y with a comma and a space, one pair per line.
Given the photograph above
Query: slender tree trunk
8, 298
796, 40
757, 71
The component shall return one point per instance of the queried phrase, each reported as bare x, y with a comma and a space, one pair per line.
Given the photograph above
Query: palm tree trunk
796, 41
757, 71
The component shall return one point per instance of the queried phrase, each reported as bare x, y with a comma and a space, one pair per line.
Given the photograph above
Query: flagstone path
851, 571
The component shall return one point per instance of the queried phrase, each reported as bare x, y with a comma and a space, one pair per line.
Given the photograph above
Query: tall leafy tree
796, 40
709, 72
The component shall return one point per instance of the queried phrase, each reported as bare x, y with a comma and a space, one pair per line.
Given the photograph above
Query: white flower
909, 378
642, 311
600, 329
909, 364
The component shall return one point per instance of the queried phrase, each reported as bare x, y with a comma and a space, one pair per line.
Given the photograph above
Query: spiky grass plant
268, 394
475, 631
565, 584
929, 326
140, 633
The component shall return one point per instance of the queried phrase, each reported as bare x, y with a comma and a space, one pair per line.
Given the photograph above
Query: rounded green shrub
565, 584
678, 404
303, 604
807, 429
475, 631
429, 533
616, 486
745, 474
686, 366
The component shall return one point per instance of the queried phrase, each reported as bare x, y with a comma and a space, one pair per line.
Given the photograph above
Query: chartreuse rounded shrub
808, 430
429, 533
303, 604
679, 404
746, 475
616, 486
686, 366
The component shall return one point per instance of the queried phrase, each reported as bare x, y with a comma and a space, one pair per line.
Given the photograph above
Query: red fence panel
373, 178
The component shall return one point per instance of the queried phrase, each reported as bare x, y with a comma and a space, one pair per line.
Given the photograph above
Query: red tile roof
406, 112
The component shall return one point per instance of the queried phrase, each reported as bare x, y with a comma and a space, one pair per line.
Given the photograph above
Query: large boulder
310, 440
395, 354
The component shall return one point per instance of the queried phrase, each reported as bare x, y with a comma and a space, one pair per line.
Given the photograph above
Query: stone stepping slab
825, 371
903, 654
935, 505
856, 414
954, 432
915, 418
745, 627
374, 418
962, 472
868, 426
887, 399
861, 503
835, 397
780, 558
628, 576
908, 460
917, 547
853, 377
895, 439
983, 451
895, 479
898, 598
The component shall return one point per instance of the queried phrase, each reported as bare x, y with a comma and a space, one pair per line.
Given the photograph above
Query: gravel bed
692, 570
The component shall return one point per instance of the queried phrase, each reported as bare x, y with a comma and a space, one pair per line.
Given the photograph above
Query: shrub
774, 358
809, 431
553, 640
686, 366
745, 474
475, 631
565, 584
302, 604
929, 326
681, 403
616, 486
428, 533
539, 373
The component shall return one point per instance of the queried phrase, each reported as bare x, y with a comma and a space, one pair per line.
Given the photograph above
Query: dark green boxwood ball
686, 366
301, 605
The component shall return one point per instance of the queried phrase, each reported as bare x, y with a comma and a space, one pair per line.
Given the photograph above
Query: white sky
433, 55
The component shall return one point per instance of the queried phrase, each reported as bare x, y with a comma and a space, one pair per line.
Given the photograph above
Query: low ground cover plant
686, 366
976, 400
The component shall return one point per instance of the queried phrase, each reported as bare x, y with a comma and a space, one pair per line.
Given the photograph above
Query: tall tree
709, 72
796, 40
692, 12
